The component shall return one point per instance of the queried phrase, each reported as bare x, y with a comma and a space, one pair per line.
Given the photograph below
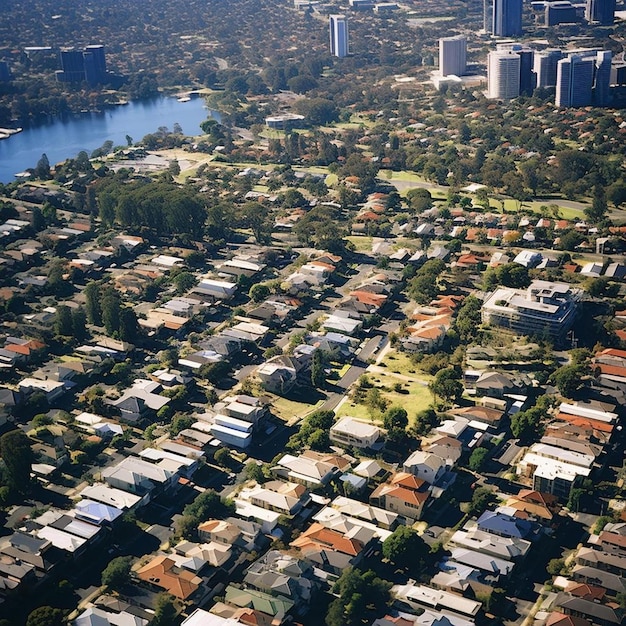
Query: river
64, 137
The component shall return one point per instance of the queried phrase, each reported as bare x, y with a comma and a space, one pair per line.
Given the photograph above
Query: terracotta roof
585, 421
407, 480
367, 297
161, 571
480, 412
611, 370
583, 590
560, 619
318, 536
400, 493
613, 539
620, 354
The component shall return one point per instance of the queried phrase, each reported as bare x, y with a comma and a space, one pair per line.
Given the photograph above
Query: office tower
452, 55
544, 67
618, 74
507, 18
560, 13
602, 79
574, 80
339, 44
487, 16
600, 11
527, 78
503, 74
95, 64
72, 66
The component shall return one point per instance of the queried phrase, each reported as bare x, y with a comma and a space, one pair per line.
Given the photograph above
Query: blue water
64, 138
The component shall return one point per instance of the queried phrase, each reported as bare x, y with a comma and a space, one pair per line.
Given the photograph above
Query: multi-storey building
574, 81
600, 11
503, 74
507, 18
544, 67
545, 309
452, 55
339, 41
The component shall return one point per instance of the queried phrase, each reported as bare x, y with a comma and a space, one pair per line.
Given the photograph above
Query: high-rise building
452, 55
77, 66
527, 78
544, 67
600, 11
503, 74
602, 79
95, 64
574, 80
72, 66
339, 43
507, 18
560, 13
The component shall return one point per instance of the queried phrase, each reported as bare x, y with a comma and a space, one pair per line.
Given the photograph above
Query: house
96, 616
139, 477
483, 414
404, 494
504, 525
275, 606
215, 290
596, 613
425, 465
328, 549
495, 385
310, 472
105, 494
140, 400
421, 597
161, 572
341, 323
507, 548
280, 497
351, 432
535, 504
279, 374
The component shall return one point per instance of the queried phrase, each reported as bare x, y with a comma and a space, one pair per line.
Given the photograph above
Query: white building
503, 74
351, 432
339, 42
453, 55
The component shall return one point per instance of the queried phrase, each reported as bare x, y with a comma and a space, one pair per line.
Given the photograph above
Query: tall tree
17, 456
92, 303
42, 169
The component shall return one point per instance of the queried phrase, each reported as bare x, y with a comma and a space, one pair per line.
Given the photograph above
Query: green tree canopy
117, 573
46, 616
17, 456
405, 548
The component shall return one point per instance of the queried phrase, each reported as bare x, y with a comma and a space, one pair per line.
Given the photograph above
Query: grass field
361, 244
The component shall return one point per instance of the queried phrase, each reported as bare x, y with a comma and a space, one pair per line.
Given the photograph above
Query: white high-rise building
452, 55
503, 74
544, 67
339, 43
574, 80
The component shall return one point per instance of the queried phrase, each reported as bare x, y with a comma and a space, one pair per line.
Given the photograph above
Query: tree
259, 292
616, 194
165, 611
360, 593
447, 385
17, 456
555, 566
481, 499
117, 573
128, 326
79, 323
526, 424
395, 418
405, 548
222, 457
92, 303
42, 169
318, 374
46, 616
419, 199
180, 423
111, 306
597, 211
63, 322
477, 459
424, 421
183, 282
569, 379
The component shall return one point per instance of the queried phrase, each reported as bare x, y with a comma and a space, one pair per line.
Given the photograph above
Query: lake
64, 137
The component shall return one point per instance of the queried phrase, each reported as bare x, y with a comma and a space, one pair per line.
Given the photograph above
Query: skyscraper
527, 78
544, 67
95, 64
339, 44
72, 66
574, 81
602, 79
503, 74
507, 18
600, 11
452, 55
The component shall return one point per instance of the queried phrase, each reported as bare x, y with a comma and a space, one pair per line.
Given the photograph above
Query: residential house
425, 465
404, 494
140, 477
309, 471
163, 573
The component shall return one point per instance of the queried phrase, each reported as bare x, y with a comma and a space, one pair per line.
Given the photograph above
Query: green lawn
288, 409
414, 397
361, 244
400, 363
